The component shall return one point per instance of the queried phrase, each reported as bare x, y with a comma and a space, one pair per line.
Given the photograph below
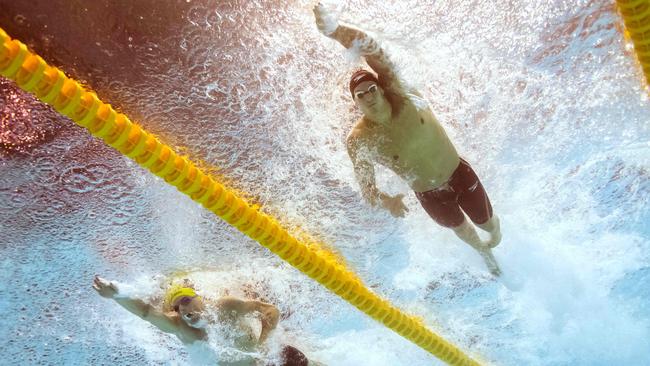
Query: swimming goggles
372, 89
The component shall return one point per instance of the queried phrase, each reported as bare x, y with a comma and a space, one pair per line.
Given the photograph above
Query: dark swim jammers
462, 190
291, 356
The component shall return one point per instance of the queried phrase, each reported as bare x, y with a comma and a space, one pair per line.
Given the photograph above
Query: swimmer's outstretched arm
270, 313
349, 37
109, 290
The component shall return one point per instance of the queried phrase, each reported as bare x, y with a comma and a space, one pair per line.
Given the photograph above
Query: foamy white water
544, 100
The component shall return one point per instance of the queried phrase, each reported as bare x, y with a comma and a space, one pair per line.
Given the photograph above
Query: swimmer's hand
104, 287
395, 205
270, 317
325, 21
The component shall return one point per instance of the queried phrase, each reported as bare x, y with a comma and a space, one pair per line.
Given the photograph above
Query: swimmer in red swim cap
398, 130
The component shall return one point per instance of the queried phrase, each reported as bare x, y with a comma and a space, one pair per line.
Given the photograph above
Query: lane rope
636, 16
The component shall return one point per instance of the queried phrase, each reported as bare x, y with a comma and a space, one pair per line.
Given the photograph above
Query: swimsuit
463, 191
291, 356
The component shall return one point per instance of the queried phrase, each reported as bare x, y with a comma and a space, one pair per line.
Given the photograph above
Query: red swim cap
359, 77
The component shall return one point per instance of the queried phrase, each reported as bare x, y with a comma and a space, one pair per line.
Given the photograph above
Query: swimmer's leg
493, 227
490, 261
466, 232
475, 202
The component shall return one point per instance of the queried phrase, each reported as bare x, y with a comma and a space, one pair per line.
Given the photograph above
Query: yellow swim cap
175, 293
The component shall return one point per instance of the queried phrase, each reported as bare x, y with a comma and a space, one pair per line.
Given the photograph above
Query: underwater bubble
46, 170
84, 178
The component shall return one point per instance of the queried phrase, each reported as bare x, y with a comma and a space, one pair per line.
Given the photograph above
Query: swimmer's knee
490, 225
460, 227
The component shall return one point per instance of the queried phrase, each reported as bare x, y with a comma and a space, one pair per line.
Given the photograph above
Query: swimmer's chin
199, 324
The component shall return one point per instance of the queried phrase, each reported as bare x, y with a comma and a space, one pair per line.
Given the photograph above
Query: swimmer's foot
490, 262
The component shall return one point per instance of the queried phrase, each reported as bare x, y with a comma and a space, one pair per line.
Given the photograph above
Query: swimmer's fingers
104, 287
402, 213
102, 282
403, 207
97, 282
101, 290
397, 211
320, 23
326, 22
318, 10
317, 14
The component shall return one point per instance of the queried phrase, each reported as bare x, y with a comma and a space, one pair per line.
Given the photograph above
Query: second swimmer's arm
270, 314
149, 313
109, 289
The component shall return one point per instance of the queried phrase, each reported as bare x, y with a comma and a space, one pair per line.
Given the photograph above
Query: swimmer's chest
412, 135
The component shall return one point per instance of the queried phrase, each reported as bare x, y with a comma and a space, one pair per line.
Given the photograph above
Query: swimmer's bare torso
413, 145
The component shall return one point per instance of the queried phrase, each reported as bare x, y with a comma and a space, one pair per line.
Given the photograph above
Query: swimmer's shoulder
359, 131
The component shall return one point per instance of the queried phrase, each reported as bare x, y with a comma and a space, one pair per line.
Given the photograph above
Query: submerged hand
104, 287
270, 317
395, 205
325, 21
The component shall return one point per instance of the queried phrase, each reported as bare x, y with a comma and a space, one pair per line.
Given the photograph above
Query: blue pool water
544, 100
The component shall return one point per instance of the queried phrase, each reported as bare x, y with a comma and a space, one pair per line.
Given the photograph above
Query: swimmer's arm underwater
364, 173
270, 314
350, 37
109, 290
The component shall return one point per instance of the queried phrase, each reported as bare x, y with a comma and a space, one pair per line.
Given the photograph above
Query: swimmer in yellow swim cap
183, 313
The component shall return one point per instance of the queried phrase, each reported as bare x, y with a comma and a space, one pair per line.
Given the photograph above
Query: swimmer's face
190, 310
369, 97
